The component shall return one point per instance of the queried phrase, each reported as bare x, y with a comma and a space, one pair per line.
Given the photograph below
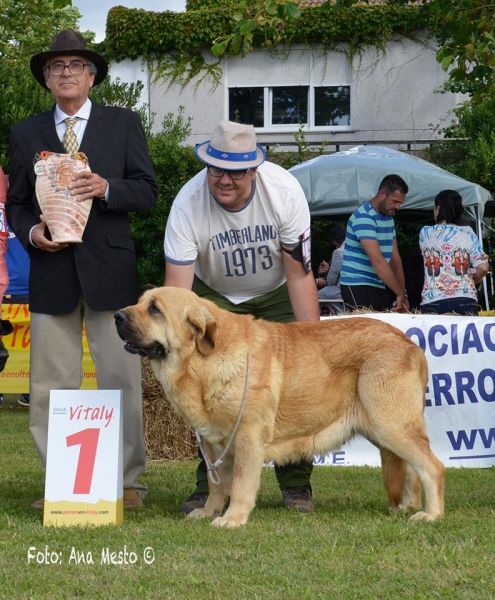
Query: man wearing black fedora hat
238, 234
72, 283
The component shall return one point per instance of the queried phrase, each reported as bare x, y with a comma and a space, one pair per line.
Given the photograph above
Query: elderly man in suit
72, 283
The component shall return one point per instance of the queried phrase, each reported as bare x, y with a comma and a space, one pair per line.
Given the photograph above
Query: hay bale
165, 434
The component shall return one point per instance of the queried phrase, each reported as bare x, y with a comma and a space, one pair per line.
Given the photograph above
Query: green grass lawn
350, 547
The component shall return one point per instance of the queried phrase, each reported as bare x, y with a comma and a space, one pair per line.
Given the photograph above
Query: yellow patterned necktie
69, 140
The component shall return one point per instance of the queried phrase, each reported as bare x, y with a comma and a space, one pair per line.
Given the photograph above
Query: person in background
372, 262
5, 326
4, 274
454, 260
331, 289
238, 235
414, 274
321, 274
18, 290
72, 284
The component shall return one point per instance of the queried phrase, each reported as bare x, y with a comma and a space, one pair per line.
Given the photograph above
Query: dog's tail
420, 358
394, 476
401, 482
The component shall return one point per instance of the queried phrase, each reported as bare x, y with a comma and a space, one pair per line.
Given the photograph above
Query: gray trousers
56, 363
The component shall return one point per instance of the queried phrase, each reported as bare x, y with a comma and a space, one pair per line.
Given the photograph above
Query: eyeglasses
216, 172
76, 67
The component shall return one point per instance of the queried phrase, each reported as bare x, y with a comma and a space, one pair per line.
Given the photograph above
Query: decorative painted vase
65, 217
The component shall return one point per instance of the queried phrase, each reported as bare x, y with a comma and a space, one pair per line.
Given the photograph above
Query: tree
174, 163
467, 39
26, 27
465, 31
268, 15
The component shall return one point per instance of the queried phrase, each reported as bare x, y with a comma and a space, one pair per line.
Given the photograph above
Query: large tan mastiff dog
287, 391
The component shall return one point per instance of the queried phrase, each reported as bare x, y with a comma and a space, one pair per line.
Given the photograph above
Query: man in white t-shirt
238, 234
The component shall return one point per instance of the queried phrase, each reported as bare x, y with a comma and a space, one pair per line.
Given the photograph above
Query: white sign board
84, 472
460, 400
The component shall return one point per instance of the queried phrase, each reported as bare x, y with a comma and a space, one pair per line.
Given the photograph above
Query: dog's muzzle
124, 329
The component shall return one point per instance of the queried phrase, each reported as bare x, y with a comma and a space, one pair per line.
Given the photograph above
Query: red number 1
88, 439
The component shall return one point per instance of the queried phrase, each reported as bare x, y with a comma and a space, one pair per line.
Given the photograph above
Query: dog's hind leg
411, 443
411, 492
431, 472
403, 431
401, 483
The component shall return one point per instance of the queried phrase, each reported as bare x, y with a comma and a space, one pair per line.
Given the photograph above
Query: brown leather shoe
39, 504
299, 498
132, 499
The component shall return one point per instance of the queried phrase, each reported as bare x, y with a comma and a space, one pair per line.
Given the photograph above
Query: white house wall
393, 98
396, 97
204, 104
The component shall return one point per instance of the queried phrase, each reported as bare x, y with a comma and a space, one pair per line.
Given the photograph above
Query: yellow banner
14, 379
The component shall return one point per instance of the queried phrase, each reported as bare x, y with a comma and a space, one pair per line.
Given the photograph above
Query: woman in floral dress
454, 260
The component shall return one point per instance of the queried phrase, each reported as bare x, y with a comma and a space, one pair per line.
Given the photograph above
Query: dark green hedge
135, 32
174, 165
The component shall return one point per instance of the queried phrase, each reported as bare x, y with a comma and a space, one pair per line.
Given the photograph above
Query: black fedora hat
64, 43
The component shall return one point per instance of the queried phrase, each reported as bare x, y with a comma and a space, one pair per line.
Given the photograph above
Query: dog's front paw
425, 516
409, 506
227, 522
199, 513
404, 508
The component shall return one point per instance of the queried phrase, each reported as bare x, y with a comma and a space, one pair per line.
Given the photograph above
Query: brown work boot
196, 500
299, 498
132, 498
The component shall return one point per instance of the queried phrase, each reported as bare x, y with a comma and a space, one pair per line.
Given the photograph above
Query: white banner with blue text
460, 399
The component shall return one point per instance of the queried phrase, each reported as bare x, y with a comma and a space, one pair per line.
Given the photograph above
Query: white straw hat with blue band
232, 147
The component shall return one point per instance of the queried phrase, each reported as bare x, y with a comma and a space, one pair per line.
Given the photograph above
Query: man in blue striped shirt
371, 256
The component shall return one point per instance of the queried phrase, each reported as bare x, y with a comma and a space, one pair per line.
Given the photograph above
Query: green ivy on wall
176, 40
205, 4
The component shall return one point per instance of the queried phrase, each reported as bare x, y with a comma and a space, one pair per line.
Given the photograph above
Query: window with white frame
303, 87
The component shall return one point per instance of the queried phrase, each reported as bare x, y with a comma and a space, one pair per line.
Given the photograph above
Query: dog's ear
206, 328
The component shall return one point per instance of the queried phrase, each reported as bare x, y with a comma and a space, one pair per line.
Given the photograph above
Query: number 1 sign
84, 458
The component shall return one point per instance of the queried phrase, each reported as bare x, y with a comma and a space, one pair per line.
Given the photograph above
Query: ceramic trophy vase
64, 216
